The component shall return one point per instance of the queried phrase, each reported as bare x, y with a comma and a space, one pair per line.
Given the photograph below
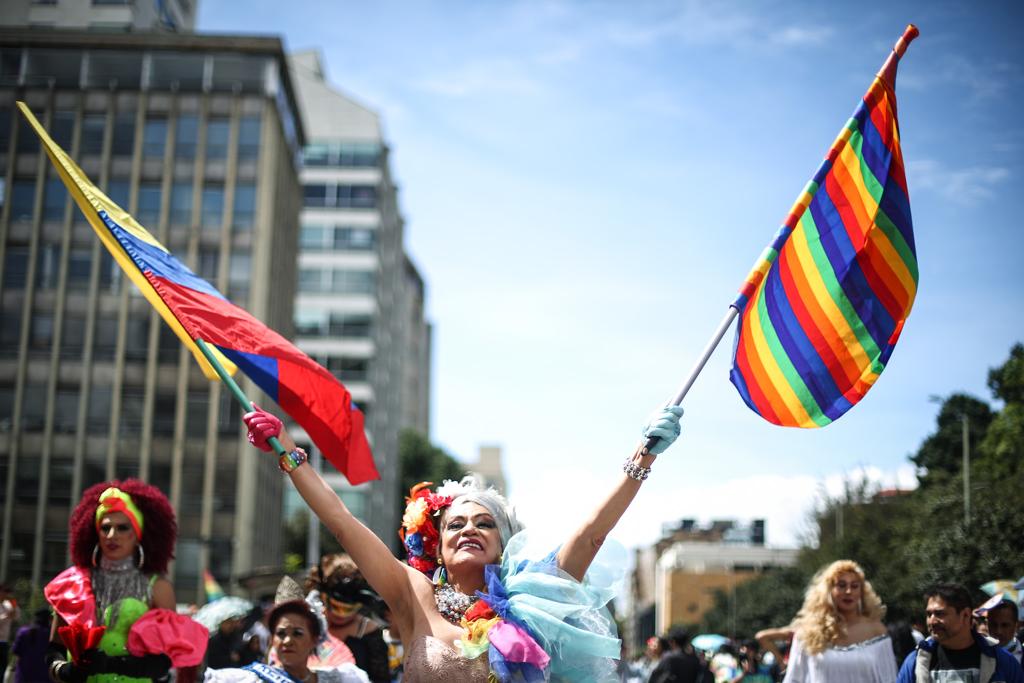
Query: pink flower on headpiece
437, 502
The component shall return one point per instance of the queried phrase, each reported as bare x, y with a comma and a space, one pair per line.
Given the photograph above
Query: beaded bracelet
634, 471
289, 462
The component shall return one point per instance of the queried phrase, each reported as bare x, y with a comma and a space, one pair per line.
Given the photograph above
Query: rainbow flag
195, 310
211, 587
822, 309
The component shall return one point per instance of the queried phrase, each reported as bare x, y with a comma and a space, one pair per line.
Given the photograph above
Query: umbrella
213, 613
1004, 587
709, 642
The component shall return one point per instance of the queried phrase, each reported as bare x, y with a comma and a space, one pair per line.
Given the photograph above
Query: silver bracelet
634, 471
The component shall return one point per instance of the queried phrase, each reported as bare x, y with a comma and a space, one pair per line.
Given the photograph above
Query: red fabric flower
480, 610
161, 631
421, 564
70, 594
78, 638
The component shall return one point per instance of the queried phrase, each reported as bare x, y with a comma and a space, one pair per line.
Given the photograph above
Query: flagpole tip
909, 34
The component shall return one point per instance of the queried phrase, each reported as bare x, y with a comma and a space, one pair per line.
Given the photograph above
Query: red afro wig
160, 529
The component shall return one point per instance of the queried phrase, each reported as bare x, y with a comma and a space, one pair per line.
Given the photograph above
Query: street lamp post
965, 432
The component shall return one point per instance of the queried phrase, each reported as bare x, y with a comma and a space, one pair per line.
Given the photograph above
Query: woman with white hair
474, 600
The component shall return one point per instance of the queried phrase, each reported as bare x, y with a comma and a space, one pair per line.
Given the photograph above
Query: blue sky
586, 184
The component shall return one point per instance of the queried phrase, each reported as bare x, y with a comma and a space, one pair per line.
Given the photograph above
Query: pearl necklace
451, 603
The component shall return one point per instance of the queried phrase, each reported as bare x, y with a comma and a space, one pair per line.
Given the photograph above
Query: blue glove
665, 426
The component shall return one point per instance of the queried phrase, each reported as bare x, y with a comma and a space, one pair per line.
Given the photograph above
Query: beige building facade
198, 137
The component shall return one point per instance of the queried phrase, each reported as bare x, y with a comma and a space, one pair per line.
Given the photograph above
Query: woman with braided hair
476, 601
122, 536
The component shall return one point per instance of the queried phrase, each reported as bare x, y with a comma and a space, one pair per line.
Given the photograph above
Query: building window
118, 190
316, 195
28, 141
239, 275
186, 136
79, 266
123, 143
15, 268
244, 210
213, 208
339, 237
72, 334
23, 195
181, 203
217, 131
343, 196
111, 2
154, 138
148, 212
249, 138
54, 198
344, 154
349, 369
93, 128
316, 323
357, 196
209, 261
352, 281
355, 239
62, 129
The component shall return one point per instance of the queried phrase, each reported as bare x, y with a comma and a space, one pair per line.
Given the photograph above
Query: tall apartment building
101, 15
360, 304
199, 138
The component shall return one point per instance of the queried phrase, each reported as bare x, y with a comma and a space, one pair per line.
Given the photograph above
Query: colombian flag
195, 310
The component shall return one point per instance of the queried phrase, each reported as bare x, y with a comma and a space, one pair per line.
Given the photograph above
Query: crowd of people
838, 636
476, 599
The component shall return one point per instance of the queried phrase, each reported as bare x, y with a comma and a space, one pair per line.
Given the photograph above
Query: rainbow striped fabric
822, 309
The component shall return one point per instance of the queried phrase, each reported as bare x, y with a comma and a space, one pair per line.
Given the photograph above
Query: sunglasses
341, 608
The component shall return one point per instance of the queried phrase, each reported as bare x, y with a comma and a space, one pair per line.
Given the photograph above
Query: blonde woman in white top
839, 635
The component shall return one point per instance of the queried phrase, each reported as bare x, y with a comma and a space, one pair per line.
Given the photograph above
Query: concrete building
101, 15
198, 137
360, 304
675, 580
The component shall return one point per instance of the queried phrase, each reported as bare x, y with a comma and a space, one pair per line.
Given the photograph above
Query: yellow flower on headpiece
415, 514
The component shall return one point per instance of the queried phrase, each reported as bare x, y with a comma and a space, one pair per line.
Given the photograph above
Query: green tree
909, 541
941, 454
420, 460
771, 599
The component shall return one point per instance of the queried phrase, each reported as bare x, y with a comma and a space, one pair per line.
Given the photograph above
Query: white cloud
504, 76
965, 186
557, 501
794, 36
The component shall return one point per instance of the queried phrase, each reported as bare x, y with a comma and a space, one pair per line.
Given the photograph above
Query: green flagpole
236, 390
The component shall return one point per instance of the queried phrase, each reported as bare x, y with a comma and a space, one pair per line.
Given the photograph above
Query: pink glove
262, 425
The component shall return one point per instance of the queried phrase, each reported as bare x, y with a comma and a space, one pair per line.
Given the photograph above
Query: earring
440, 561
95, 554
142, 556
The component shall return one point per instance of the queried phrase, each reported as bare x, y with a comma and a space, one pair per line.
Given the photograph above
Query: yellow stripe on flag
91, 201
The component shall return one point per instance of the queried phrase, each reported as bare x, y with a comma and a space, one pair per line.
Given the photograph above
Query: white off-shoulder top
869, 661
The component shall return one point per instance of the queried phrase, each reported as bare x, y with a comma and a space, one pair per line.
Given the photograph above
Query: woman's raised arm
383, 572
579, 551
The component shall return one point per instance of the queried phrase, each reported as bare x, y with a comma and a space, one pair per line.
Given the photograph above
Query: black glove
68, 672
147, 666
